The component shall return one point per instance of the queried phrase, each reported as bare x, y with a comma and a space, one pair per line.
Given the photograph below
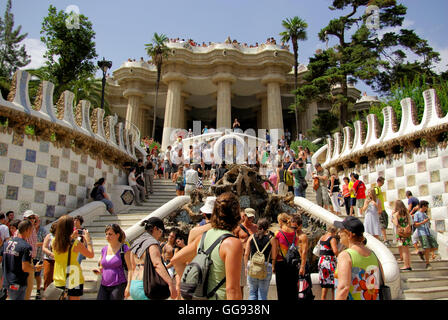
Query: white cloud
36, 50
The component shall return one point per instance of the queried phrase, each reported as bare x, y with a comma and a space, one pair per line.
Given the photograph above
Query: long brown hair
402, 210
117, 230
64, 230
226, 212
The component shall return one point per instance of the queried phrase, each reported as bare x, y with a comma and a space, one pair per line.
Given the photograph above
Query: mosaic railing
75, 127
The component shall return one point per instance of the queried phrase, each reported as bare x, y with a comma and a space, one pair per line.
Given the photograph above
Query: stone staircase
164, 191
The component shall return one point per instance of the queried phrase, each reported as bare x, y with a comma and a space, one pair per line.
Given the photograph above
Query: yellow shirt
350, 187
60, 268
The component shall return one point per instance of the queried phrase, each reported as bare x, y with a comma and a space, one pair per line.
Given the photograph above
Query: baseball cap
157, 222
28, 213
249, 212
351, 224
207, 208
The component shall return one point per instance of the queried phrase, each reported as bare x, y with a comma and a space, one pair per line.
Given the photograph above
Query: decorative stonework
3, 149
63, 176
15, 165
54, 161
17, 139
435, 176
423, 190
411, 180
12, 192
30, 155
421, 166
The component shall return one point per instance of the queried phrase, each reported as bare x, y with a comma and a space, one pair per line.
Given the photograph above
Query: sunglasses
31, 218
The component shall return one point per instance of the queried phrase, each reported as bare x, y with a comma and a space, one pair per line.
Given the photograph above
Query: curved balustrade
69, 122
433, 123
388, 261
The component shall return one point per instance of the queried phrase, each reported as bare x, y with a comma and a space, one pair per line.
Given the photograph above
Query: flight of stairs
164, 191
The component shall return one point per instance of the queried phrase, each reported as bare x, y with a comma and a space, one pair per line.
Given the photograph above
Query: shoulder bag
385, 293
54, 293
153, 284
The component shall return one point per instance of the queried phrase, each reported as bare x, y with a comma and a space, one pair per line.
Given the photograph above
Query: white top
191, 176
109, 256
175, 157
4, 232
131, 179
207, 155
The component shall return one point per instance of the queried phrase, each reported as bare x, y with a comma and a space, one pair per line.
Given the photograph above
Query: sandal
420, 254
406, 269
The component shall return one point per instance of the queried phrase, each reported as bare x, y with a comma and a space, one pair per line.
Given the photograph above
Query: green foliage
324, 124
69, 51
12, 54
413, 89
305, 144
29, 130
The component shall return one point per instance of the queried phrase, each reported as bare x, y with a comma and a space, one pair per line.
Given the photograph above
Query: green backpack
193, 285
288, 178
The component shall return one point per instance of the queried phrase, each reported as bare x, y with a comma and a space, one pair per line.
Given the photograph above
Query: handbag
405, 232
315, 183
316, 250
384, 292
154, 286
54, 293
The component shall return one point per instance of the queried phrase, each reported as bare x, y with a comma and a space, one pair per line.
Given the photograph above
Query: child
421, 223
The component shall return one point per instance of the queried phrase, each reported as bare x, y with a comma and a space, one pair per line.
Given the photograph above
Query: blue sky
123, 27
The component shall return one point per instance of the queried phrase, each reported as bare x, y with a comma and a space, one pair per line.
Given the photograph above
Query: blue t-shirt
14, 252
99, 193
423, 230
414, 201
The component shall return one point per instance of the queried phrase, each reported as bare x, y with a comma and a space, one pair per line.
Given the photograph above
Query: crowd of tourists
228, 40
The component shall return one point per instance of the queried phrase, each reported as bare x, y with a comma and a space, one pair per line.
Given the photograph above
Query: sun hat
249, 212
207, 208
28, 213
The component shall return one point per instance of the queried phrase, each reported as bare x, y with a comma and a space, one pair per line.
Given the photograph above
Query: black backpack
123, 260
303, 182
94, 192
292, 257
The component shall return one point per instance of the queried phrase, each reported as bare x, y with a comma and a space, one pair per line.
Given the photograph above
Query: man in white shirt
139, 191
175, 160
191, 178
207, 156
4, 230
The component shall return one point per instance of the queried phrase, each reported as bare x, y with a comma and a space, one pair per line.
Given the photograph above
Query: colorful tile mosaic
435, 176
72, 190
28, 181
52, 186
44, 146
61, 200
66, 153
99, 163
432, 152
84, 159
63, 176
390, 184
12, 192
423, 190
54, 162
18, 139
3, 149
50, 211
400, 171
410, 181
23, 206
15, 165
91, 172
437, 201
39, 196
401, 194
421, 166
30, 155
82, 180
41, 171
440, 226
74, 166
2, 177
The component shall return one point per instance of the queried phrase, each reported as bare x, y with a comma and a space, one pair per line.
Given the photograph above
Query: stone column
274, 102
134, 97
173, 105
264, 111
223, 82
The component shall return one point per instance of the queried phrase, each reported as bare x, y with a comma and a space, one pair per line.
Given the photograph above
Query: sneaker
387, 243
38, 295
428, 267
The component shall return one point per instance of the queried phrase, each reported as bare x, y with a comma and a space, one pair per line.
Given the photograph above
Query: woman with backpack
261, 250
114, 284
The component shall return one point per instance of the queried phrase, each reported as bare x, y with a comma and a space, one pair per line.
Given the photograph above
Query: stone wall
409, 155
53, 170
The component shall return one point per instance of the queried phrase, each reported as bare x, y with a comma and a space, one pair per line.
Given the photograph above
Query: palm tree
157, 50
295, 30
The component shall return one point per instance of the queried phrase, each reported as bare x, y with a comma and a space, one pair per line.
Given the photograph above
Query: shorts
384, 220
108, 203
180, 187
322, 197
167, 166
428, 242
137, 291
352, 202
208, 166
76, 291
360, 203
174, 168
37, 273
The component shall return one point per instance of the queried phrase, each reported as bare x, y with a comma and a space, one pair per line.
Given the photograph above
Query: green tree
70, 51
158, 51
362, 54
12, 54
295, 30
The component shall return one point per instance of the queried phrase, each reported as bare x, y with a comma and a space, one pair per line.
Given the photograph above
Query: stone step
426, 293
423, 273
419, 264
417, 283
